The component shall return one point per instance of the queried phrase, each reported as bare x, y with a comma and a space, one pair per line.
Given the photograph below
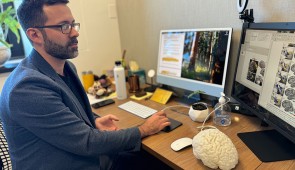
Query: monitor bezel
193, 85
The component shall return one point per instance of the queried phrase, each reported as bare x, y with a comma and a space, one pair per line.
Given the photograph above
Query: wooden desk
159, 145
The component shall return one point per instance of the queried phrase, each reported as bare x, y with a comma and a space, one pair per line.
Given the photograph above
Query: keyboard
137, 109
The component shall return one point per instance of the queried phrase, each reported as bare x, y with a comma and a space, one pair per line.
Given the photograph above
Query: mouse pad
269, 145
174, 124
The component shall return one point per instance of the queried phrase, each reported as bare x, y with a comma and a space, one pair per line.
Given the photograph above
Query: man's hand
106, 123
154, 124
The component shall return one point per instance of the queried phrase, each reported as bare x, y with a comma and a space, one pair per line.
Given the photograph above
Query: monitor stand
269, 145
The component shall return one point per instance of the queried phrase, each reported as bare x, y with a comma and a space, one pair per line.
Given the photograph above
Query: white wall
99, 40
140, 22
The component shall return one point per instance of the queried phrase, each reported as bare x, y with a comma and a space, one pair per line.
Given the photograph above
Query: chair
5, 162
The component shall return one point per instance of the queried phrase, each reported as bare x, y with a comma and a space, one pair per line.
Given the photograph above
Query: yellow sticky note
161, 96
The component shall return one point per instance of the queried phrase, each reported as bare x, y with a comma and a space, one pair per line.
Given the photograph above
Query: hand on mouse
154, 124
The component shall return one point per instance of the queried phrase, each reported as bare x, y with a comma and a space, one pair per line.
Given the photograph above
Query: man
46, 115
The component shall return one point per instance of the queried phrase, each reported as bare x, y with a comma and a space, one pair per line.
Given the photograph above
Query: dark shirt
73, 86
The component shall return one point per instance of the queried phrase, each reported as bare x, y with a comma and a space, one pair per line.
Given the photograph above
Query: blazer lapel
46, 69
74, 76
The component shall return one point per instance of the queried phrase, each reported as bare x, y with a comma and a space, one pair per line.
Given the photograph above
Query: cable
181, 106
203, 124
177, 111
175, 106
208, 126
202, 127
189, 107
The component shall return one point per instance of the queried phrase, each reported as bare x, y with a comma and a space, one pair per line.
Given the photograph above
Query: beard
60, 51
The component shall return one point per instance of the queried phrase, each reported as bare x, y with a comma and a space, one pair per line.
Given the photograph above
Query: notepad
161, 96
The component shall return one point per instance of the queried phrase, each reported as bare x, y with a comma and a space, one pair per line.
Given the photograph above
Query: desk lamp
152, 88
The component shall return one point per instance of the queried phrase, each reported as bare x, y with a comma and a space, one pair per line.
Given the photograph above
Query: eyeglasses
65, 28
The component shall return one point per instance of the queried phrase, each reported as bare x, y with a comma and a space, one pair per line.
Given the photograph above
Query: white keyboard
137, 109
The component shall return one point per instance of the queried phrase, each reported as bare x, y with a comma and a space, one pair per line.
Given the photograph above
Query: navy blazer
46, 126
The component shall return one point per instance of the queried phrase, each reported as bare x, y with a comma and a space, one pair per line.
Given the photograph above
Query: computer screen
194, 59
265, 76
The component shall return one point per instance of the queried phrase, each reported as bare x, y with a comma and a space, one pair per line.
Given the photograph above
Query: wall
140, 22
99, 40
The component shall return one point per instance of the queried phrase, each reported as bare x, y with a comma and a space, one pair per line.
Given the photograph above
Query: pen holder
133, 81
198, 112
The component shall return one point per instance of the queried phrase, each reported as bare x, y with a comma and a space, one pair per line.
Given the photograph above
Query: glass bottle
222, 113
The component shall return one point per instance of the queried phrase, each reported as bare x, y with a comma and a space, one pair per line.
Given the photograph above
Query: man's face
56, 43
61, 51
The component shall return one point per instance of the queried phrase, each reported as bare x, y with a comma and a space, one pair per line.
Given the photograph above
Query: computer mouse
181, 143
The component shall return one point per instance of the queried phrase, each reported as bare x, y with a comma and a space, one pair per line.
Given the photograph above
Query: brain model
215, 149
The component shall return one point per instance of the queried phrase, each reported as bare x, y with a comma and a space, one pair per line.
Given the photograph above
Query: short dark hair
30, 12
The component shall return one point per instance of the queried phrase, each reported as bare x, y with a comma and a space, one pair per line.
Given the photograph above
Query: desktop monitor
194, 59
264, 85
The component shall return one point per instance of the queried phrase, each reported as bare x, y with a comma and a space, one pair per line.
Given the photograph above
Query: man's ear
34, 35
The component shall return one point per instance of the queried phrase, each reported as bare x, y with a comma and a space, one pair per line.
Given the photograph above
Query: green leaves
6, 1
195, 92
8, 19
5, 43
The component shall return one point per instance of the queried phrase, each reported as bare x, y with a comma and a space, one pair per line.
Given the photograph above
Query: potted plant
8, 21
